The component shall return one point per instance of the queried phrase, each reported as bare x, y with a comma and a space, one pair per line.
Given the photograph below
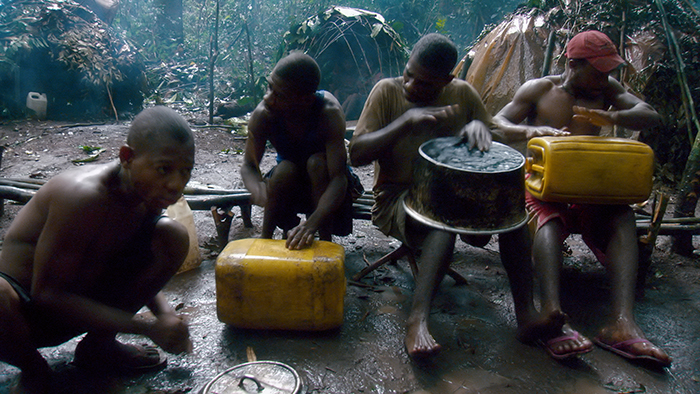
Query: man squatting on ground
578, 102
401, 114
307, 129
90, 249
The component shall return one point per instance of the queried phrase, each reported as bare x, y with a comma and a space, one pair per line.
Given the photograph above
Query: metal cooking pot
468, 192
260, 377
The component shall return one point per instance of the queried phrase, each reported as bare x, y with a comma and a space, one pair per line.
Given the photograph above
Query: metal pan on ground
260, 377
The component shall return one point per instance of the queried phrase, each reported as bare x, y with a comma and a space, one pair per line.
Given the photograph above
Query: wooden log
22, 196
19, 184
207, 191
205, 202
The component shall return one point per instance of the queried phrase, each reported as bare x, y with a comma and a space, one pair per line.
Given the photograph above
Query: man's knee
170, 241
553, 228
317, 167
284, 175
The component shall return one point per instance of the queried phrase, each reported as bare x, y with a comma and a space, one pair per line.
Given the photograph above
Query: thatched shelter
62, 49
354, 48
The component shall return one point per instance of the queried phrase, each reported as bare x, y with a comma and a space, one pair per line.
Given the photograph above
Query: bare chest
556, 109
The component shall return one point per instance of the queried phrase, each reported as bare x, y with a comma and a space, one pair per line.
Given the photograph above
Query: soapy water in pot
450, 151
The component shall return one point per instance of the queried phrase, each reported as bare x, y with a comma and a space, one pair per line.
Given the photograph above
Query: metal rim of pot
244, 377
421, 151
458, 230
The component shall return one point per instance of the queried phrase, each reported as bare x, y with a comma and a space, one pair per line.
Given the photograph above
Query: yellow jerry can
589, 169
261, 284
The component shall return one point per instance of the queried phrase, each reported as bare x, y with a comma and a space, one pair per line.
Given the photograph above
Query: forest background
202, 55
256, 28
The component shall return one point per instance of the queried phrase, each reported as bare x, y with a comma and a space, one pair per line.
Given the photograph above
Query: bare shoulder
330, 101
539, 86
70, 197
82, 188
88, 180
260, 119
332, 116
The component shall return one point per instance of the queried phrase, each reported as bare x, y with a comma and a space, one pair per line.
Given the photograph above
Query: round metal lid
260, 377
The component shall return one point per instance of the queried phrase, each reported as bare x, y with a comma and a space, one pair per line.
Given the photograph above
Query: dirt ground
474, 322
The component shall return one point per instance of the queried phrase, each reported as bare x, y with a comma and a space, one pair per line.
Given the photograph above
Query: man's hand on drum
543, 131
476, 135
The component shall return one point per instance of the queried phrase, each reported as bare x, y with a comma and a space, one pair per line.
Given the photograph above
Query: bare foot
630, 343
567, 343
547, 326
419, 342
555, 336
115, 355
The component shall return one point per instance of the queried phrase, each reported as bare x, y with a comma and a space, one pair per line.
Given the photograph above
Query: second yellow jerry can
589, 169
260, 284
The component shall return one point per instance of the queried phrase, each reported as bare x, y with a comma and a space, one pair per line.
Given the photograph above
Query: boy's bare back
79, 221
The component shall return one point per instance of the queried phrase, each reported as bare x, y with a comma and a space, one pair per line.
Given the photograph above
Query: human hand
301, 236
543, 131
171, 333
431, 116
595, 117
476, 135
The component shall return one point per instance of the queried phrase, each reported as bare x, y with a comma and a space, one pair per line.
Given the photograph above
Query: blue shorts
19, 289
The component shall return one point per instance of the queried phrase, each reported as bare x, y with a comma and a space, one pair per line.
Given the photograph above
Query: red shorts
577, 218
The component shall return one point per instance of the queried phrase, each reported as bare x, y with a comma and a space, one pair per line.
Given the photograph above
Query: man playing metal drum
401, 114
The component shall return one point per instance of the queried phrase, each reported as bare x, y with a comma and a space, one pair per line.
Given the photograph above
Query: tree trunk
169, 28
213, 54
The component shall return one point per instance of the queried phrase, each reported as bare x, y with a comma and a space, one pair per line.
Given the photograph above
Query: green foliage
440, 25
89, 149
61, 48
268, 20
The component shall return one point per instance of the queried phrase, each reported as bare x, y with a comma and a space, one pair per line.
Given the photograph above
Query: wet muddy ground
474, 322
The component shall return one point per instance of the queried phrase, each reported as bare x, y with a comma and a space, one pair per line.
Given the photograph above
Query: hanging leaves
67, 40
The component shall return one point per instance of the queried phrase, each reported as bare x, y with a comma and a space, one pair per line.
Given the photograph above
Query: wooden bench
221, 202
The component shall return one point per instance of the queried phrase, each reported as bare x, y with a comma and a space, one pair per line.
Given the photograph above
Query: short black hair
436, 52
156, 124
300, 71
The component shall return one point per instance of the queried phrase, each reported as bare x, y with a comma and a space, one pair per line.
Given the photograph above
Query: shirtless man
90, 249
579, 102
307, 129
401, 114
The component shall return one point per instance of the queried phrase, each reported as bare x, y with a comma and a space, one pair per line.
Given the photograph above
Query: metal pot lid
259, 377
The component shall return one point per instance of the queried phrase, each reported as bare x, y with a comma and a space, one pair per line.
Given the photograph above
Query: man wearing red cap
578, 102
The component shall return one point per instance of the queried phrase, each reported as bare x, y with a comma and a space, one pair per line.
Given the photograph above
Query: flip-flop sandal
563, 356
620, 348
145, 358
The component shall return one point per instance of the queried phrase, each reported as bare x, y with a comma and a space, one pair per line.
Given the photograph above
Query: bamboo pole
689, 187
547, 64
213, 54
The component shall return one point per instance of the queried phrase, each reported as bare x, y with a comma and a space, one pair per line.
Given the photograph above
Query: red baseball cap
595, 47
